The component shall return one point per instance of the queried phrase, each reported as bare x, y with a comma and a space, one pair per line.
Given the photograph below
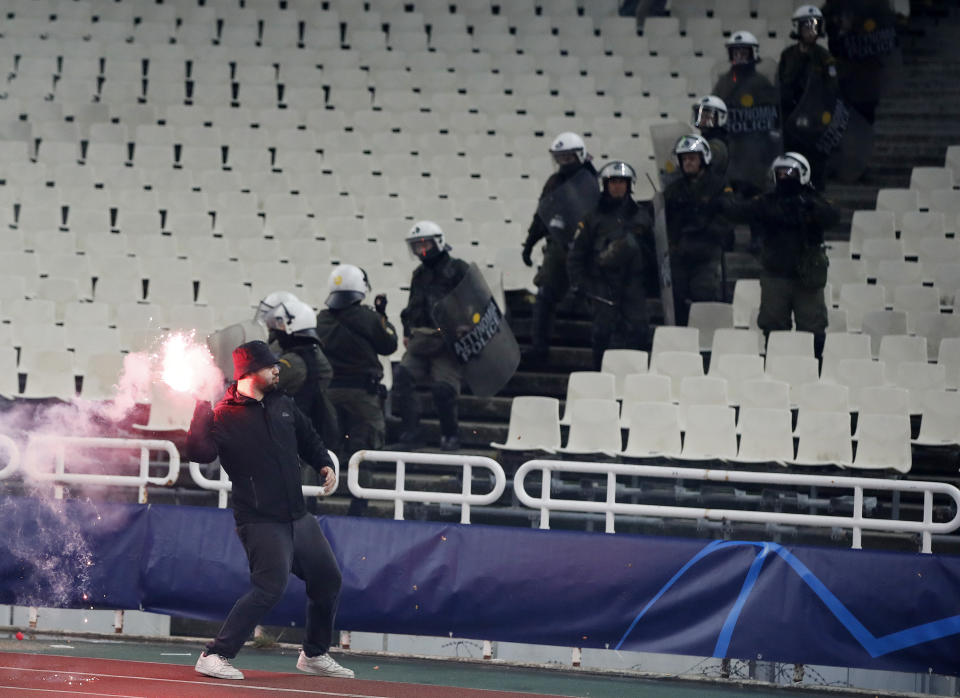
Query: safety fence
45, 458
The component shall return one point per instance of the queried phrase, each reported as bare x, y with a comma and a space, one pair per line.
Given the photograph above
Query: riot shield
568, 204
477, 333
849, 159
222, 343
753, 123
664, 137
663, 258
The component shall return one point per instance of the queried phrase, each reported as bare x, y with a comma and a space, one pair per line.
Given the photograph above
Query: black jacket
260, 444
431, 282
353, 338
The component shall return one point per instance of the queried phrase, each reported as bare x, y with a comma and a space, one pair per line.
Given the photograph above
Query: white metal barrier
857, 522
44, 446
400, 494
223, 485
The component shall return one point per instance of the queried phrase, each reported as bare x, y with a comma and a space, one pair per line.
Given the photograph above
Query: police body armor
564, 207
476, 331
753, 123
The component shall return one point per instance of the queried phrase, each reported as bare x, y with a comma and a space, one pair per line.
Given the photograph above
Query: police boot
405, 405
819, 339
445, 400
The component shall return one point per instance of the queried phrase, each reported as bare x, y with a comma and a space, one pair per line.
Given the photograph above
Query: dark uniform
613, 261
353, 339
717, 139
427, 356
696, 232
797, 72
551, 279
791, 227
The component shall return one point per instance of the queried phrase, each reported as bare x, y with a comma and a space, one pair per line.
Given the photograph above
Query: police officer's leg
776, 304
541, 329
270, 553
706, 282
810, 313
411, 370
446, 375
680, 280
315, 564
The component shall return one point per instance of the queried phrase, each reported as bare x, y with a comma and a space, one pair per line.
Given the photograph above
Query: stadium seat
729, 340
700, 390
789, 343
884, 443
918, 226
708, 318
885, 399
677, 365
534, 425
876, 250
623, 362
940, 421
653, 430
766, 435
858, 299
823, 397
898, 202
857, 374
895, 349
879, 323
587, 384
793, 370
838, 346
671, 338
918, 377
737, 369
710, 433
646, 387
170, 410
594, 427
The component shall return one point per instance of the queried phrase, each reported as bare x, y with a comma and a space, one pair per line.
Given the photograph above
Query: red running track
38, 675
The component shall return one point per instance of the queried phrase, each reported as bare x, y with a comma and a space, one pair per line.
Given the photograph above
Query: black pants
274, 550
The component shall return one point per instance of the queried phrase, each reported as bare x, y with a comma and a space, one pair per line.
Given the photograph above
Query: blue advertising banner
871, 609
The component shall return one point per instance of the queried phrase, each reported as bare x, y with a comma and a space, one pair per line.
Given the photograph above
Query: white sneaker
216, 666
323, 665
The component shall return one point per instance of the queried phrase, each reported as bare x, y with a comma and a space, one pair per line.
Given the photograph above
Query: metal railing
857, 522
400, 494
222, 486
40, 447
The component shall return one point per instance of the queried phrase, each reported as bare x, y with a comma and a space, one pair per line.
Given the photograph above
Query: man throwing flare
261, 436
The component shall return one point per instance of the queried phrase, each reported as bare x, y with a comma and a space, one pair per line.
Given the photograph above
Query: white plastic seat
882, 400
898, 202
842, 345
701, 390
708, 318
594, 427
737, 369
729, 340
50, 374
940, 423
653, 429
918, 226
534, 425
858, 374
918, 377
789, 343
823, 397
647, 387
877, 324
672, 338
892, 273
933, 251
948, 356
766, 435
877, 250
857, 299
793, 370
622, 362
588, 384
946, 278
677, 365
895, 349
926, 179
766, 393
710, 433
823, 438
884, 443
871, 225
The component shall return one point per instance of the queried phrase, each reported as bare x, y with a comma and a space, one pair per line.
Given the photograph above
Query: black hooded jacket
260, 444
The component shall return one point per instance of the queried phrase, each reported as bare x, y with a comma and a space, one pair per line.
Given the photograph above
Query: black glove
380, 303
525, 255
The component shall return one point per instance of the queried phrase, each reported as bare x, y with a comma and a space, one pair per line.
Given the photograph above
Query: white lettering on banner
472, 343
873, 44
833, 135
752, 119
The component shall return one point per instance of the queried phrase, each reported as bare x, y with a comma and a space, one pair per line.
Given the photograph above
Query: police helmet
293, 317
271, 301
807, 14
794, 164
743, 38
421, 233
617, 170
347, 285
711, 104
568, 143
692, 143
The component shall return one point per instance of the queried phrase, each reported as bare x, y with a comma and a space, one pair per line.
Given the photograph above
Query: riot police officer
806, 69
710, 117
791, 221
567, 195
427, 357
613, 263
695, 230
752, 115
354, 336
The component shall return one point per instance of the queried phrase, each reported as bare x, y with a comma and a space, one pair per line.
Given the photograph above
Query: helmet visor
705, 116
